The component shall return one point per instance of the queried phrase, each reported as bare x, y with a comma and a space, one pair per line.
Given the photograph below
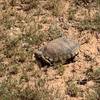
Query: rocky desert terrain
26, 25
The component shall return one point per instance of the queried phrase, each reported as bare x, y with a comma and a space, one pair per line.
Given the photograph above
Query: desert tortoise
59, 50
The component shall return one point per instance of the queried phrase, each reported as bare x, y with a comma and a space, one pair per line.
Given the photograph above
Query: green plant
12, 2
72, 89
84, 3
98, 3
91, 95
71, 13
55, 11
8, 89
41, 82
54, 32
93, 74
2, 69
90, 24
13, 69
54, 6
60, 69
96, 75
34, 3
24, 77
97, 89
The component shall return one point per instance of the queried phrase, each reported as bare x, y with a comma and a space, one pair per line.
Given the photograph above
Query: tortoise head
40, 57
75, 50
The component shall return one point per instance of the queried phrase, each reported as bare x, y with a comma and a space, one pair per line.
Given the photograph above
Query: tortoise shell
60, 50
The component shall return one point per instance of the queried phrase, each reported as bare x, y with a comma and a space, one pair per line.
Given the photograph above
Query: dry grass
24, 26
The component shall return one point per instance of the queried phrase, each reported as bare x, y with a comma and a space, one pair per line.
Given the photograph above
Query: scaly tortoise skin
56, 51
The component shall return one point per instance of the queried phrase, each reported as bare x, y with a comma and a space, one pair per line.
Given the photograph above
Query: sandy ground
27, 17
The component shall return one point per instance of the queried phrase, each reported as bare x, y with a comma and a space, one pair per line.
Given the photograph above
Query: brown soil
18, 19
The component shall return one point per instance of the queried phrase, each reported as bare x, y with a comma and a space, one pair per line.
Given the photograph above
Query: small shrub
2, 69
54, 32
93, 74
41, 82
11, 90
13, 69
72, 89
60, 69
71, 13
91, 95
84, 3
24, 77
91, 24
